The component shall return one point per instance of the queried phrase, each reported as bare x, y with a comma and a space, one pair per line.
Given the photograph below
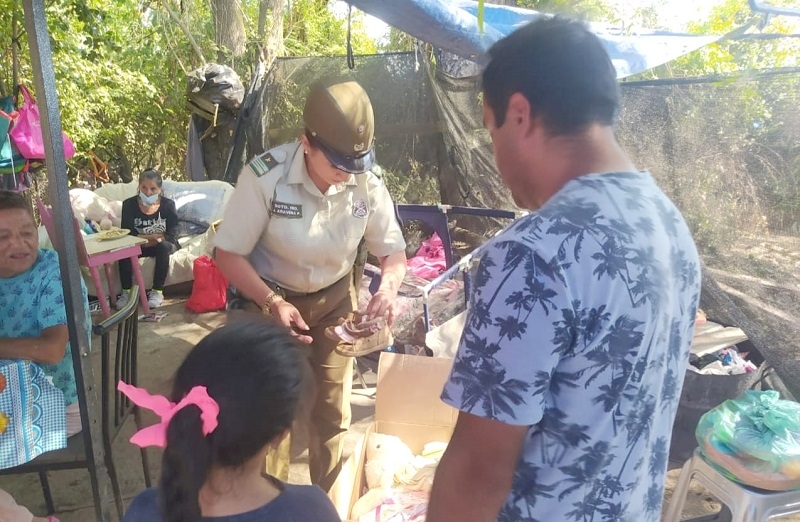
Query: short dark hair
153, 175
252, 369
561, 68
9, 200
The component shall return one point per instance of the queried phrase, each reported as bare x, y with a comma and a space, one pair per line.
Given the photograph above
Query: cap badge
360, 209
358, 147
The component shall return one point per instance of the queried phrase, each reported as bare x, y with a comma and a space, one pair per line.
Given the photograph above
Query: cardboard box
407, 405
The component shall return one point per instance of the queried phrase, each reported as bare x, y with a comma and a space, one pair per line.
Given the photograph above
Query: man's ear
519, 112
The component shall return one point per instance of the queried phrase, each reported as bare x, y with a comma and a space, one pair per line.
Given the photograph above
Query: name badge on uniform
287, 210
360, 209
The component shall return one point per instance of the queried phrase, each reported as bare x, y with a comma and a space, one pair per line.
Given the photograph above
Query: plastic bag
27, 130
754, 440
209, 291
211, 85
12, 163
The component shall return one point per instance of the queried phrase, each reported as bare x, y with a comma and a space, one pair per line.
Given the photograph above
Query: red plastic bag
27, 130
209, 291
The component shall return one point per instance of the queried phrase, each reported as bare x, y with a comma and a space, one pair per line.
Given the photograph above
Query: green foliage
311, 29
121, 69
396, 41
734, 55
413, 186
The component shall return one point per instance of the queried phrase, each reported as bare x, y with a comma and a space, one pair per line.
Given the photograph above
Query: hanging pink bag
27, 131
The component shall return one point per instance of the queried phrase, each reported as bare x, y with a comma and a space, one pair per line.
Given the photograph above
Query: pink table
103, 253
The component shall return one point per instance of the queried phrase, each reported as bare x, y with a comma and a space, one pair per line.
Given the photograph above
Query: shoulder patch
263, 164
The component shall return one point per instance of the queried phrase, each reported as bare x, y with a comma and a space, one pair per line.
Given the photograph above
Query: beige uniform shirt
298, 237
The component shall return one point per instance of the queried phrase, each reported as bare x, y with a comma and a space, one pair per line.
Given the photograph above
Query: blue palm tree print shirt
579, 326
33, 301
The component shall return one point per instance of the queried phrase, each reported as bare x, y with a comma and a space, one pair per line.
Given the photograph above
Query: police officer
289, 241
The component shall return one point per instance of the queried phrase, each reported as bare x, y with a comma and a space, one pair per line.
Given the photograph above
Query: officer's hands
289, 316
382, 305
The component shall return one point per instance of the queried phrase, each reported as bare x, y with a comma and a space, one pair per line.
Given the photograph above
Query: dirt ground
161, 348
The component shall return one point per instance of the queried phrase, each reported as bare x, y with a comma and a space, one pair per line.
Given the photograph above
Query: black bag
213, 88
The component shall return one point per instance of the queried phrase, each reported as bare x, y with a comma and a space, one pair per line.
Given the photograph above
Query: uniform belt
285, 292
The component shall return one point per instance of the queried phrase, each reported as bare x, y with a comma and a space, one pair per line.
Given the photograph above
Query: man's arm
473, 480
48, 348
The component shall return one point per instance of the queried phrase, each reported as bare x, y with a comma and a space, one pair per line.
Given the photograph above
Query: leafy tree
743, 51
121, 66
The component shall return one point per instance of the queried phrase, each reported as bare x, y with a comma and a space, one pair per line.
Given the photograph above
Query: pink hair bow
156, 435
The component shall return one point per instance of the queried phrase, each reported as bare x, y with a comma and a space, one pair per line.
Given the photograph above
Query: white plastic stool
746, 504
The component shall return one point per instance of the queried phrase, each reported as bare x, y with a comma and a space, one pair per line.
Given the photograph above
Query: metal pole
65, 243
763, 7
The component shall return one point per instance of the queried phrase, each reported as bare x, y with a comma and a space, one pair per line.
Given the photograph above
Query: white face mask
148, 200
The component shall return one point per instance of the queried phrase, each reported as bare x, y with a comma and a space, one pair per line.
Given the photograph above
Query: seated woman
234, 397
153, 217
33, 318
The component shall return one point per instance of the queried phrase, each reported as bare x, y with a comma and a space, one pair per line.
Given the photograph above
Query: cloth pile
715, 351
429, 260
728, 361
399, 482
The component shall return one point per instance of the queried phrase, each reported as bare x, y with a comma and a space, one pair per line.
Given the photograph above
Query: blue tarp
452, 25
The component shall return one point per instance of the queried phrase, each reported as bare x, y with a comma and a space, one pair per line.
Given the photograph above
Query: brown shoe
358, 338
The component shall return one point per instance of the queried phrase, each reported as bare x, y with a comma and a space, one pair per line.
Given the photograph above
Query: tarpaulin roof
452, 25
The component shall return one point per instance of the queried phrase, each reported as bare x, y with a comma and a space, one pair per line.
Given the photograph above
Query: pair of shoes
155, 298
358, 336
123, 299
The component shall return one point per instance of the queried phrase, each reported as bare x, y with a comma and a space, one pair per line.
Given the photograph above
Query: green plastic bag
754, 439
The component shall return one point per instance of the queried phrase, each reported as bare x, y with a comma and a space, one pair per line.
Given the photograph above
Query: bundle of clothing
399, 482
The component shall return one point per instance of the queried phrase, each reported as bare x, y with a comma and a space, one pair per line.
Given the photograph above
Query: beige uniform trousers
323, 414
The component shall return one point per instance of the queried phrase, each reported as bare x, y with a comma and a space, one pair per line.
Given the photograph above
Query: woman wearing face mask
153, 217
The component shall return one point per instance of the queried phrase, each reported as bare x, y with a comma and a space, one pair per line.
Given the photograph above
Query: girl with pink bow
233, 398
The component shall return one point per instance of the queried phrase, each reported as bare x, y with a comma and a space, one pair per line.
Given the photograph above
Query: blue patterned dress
33, 301
579, 326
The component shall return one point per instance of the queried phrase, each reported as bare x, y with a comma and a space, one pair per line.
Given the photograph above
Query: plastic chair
115, 409
104, 259
745, 503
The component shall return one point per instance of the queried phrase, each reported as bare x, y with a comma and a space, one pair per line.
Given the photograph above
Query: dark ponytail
185, 466
252, 370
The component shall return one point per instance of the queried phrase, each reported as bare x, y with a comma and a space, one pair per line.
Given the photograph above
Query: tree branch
177, 20
271, 42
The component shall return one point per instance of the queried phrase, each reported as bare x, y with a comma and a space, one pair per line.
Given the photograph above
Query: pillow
198, 202
190, 228
118, 191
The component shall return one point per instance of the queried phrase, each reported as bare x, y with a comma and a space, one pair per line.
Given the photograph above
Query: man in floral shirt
573, 356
